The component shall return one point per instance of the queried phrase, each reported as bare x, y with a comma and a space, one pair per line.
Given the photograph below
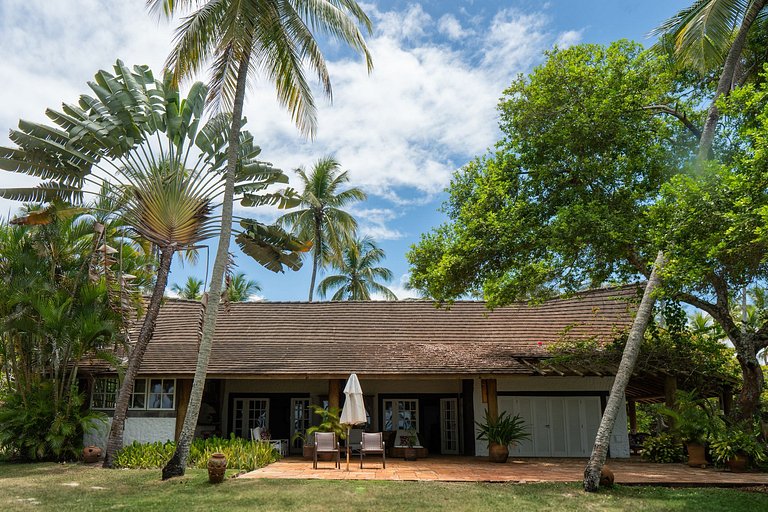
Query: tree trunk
316, 254
626, 367
752, 375
177, 465
115, 439
726, 79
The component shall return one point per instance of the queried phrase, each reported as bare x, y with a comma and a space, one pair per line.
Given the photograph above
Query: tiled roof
380, 338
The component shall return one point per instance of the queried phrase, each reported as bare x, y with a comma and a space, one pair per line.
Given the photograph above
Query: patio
475, 469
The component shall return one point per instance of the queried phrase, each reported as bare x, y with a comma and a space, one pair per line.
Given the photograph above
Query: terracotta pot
91, 454
738, 464
409, 453
498, 453
606, 477
696, 455
217, 466
308, 452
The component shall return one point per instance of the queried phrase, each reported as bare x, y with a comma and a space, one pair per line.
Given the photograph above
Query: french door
249, 413
300, 421
449, 426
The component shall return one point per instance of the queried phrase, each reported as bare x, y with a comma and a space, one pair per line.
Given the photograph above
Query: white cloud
569, 38
451, 27
426, 109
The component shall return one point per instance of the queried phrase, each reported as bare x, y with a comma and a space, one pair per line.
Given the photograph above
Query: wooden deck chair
325, 442
372, 444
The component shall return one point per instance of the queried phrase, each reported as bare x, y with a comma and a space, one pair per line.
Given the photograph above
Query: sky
428, 107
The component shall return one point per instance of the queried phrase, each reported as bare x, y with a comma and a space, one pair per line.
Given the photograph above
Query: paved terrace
478, 469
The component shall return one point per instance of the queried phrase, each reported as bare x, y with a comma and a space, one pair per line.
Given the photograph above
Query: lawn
81, 487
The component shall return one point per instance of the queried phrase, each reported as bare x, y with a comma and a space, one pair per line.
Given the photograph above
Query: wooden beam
334, 389
632, 413
727, 400
183, 390
493, 403
670, 388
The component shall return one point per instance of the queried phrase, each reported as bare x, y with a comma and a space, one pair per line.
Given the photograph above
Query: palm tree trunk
115, 439
177, 465
316, 253
626, 367
726, 78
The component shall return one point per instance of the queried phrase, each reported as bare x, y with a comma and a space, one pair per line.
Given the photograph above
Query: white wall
619, 441
143, 430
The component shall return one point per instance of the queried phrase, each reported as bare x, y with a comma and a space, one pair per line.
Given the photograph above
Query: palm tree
322, 220
192, 289
241, 38
134, 139
239, 288
703, 37
358, 276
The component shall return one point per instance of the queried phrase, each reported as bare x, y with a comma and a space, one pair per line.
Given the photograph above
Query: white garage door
559, 426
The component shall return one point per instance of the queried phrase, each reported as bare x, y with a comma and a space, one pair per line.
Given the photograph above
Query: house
431, 369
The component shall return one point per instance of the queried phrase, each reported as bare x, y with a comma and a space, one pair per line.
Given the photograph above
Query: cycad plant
320, 217
358, 274
164, 163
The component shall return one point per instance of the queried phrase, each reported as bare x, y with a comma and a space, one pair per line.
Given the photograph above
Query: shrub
37, 430
664, 448
240, 453
737, 440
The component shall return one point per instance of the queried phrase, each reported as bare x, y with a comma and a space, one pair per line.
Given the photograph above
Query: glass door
449, 426
300, 421
249, 413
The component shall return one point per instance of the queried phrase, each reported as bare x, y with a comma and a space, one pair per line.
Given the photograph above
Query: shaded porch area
476, 469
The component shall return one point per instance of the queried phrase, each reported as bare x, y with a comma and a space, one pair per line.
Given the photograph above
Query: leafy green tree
192, 289
239, 288
713, 34
240, 39
358, 276
321, 219
135, 139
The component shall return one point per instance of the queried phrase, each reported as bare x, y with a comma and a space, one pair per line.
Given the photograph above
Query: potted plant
501, 432
695, 421
735, 447
329, 422
410, 440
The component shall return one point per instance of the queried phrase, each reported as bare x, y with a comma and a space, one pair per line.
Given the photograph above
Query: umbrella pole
348, 447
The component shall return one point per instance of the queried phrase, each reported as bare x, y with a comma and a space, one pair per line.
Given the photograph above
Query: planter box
398, 452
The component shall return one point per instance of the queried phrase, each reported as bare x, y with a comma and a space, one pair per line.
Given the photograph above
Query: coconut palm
710, 34
192, 289
135, 139
242, 39
239, 288
358, 276
321, 218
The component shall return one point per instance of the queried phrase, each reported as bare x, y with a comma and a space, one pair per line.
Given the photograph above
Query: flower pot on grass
217, 466
91, 454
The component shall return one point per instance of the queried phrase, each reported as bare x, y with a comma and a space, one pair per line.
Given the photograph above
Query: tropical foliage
321, 218
192, 289
135, 138
358, 276
238, 288
504, 429
60, 303
241, 454
277, 39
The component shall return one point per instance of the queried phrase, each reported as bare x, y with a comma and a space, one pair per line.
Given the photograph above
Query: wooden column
727, 401
333, 393
489, 385
183, 390
670, 388
632, 413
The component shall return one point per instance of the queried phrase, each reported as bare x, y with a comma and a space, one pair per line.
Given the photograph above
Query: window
249, 413
161, 393
401, 415
104, 393
153, 394
139, 395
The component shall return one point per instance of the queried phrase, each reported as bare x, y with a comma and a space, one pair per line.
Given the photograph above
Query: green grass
80, 487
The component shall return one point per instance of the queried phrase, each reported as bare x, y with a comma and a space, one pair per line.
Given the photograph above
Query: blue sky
427, 108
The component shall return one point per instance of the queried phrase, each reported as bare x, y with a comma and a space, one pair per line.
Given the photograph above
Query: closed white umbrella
354, 408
